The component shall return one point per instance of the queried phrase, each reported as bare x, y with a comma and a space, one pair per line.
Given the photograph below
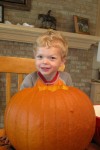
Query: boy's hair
52, 39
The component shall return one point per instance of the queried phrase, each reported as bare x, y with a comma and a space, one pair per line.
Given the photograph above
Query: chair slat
17, 65
20, 79
8, 87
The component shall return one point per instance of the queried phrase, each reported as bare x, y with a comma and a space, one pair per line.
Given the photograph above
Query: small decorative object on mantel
7, 22
47, 21
81, 25
18, 24
28, 25
1, 13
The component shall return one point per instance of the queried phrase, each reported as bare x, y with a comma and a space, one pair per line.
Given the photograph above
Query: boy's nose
45, 60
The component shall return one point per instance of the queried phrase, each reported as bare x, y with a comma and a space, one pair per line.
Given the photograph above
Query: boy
50, 51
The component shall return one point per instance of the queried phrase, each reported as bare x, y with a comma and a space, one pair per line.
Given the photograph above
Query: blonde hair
52, 39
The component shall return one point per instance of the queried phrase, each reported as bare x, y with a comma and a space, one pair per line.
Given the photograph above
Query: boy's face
48, 61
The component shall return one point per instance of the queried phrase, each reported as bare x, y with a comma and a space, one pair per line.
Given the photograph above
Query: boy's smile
48, 61
45, 69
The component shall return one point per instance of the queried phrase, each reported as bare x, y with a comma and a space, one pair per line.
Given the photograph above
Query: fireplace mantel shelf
28, 35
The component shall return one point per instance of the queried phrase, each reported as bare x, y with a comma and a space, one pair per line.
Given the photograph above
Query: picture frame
17, 4
1, 13
81, 25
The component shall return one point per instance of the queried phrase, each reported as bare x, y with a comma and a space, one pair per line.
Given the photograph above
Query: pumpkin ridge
28, 123
43, 137
56, 130
72, 140
33, 96
21, 104
68, 116
65, 134
9, 109
85, 98
47, 139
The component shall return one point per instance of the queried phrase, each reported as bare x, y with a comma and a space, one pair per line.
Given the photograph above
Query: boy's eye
52, 58
39, 56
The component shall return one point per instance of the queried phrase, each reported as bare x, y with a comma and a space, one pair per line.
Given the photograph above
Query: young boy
50, 51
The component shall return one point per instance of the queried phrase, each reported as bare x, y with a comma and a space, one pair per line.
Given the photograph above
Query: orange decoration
59, 119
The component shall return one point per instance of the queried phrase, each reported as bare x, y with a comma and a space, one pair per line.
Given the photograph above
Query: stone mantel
20, 33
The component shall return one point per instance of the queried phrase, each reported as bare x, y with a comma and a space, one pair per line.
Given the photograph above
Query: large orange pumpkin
50, 118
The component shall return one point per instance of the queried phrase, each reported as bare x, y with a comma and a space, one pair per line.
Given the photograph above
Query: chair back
19, 66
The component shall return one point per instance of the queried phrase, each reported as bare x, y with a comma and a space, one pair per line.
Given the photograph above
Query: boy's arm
29, 81
69, 80
65, 76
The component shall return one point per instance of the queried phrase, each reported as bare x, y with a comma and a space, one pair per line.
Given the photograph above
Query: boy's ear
63, 60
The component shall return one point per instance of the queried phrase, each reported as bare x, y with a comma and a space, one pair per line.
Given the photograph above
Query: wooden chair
20, 66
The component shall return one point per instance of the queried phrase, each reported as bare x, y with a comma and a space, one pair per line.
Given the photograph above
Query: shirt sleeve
69, 81
66, 77
27, 82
